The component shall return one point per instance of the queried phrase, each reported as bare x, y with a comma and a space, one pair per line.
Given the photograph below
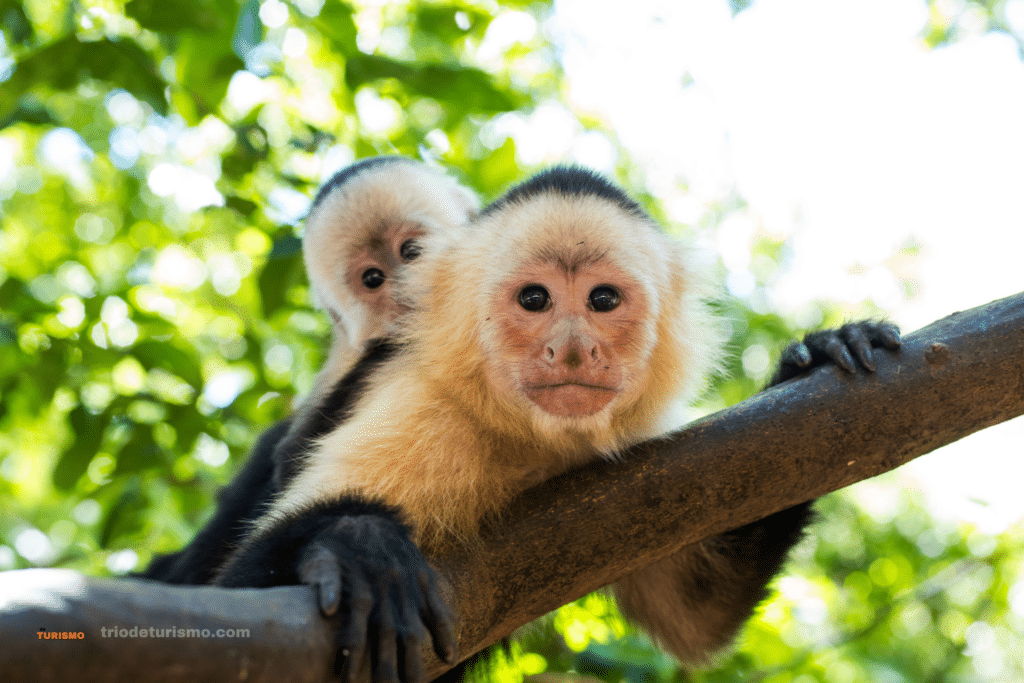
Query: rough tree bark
572, 534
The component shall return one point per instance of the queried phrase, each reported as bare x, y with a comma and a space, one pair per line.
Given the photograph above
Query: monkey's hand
839, 346
374, 583
370, 580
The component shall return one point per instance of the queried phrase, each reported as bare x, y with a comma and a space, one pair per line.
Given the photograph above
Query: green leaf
170, 16
205, 67
164, 355
66, 63
207, 58
16, 298
153, 325
8, 337
498, 170
278, 276
126, 515
335, 23
14, 22
88, 431
188, 423
28, 110
440, 20
249, 149
141, 452
242, 206
468, 88
289, 245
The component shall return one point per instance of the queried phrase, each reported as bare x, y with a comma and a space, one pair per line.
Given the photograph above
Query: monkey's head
364, 226
564, 310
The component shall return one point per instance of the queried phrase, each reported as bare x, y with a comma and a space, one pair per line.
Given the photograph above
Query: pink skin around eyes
383, 251
573, 354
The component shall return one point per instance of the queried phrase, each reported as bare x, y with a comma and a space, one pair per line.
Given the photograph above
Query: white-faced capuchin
363, 228
559, 326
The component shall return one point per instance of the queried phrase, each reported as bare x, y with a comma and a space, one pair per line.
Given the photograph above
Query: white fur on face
365, 220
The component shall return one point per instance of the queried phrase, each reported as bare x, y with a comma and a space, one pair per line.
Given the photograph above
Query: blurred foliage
156, 158
950, 21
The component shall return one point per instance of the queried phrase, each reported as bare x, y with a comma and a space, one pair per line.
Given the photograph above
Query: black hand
374, 583
840, 346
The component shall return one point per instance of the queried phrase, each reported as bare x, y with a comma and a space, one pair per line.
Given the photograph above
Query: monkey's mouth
571, 399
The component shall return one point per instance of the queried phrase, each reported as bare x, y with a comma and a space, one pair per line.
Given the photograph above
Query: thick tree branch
573, 534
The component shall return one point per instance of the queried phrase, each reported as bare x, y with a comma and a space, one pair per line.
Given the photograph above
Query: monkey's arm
370, 578
694, 602
238, 504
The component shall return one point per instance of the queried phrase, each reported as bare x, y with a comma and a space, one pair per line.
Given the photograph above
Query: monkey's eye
373, 278
604, 298
409, 250
533, 298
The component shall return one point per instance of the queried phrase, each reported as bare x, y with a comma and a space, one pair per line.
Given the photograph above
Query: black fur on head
569, 181
349, 172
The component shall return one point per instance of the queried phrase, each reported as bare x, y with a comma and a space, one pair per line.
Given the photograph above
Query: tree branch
570, 535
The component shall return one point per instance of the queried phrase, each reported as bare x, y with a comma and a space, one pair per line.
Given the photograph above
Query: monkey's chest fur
436, 464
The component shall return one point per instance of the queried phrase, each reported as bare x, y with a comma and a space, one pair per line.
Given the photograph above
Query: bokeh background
837, 160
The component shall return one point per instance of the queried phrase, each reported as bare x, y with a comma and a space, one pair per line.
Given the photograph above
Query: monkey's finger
889, 335
411, 639
320, 570
438, 619
857, 340
352, 639
330, 595
385, 664
797, 354
840, 355
402, 603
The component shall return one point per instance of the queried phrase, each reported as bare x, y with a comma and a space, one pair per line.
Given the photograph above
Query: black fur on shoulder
569, 181
335, 408
349, 172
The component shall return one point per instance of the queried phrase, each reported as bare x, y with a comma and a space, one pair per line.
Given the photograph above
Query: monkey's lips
570, 399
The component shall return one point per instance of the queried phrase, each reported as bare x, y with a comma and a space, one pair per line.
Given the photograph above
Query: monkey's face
556, 315
373, 266
570, 335
366, 228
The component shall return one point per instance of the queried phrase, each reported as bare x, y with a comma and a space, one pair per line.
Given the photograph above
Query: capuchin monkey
366, 225
558, 327
363, 228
